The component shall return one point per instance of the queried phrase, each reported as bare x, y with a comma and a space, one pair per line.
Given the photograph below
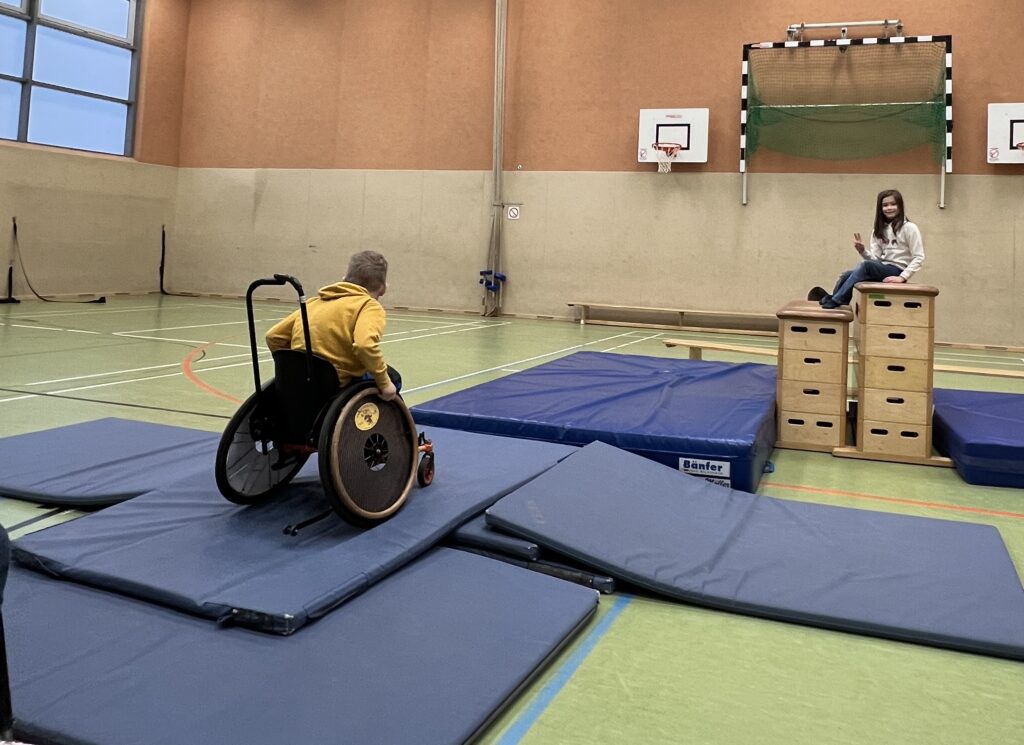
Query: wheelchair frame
367, 447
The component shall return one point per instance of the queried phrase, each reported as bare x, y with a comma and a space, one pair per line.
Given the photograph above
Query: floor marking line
635, 341
193, 326
895, 500
47, 328
186, 369
128, 370
117, 403
528, 718
511, 364
108, 311
440, 333
90, 387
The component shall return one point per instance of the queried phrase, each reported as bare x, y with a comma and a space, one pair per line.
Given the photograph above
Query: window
67, 72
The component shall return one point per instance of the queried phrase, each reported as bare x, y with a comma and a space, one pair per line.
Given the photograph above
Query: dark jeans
396, 378
866, 271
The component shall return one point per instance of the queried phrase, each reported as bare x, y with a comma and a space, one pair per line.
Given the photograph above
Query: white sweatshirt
905, 250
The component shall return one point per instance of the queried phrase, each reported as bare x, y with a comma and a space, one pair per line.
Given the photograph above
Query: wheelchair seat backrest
301, 400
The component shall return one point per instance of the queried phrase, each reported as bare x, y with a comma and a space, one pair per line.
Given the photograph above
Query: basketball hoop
666, 151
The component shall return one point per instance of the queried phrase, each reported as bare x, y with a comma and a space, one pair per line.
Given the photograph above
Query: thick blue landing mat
427, 656
983, 432
186, 547
99, 463
917, 579
711, 419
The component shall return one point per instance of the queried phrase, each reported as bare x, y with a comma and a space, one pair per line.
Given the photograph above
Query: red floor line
186, 369
896, 500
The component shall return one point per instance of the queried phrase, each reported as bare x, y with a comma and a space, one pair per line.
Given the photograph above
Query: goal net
847, 102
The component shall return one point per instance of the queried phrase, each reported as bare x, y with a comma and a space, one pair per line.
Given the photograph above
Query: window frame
30, 11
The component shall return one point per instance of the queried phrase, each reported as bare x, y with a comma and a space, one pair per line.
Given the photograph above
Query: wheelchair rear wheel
250, 467
368, 455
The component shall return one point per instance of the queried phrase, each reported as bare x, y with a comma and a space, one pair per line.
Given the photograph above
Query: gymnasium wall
303, 131
86, 223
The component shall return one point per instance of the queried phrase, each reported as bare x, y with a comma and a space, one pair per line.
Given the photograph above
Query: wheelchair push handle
289, 279
277, 279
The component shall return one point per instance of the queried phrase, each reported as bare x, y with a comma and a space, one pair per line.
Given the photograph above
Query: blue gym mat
478, 534
186, 547
429, 655
983, 432
711, 419
949, 584
102, 462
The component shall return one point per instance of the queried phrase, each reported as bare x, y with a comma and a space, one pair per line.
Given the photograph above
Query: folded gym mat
712, 419
602, 583
428, 655
949, 584
983, 433
478, 534
186, 547
99, 463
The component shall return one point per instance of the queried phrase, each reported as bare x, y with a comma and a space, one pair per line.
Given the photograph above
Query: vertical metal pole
744, 199
942, 186
492, 299
26, 71
135, 22
497, 154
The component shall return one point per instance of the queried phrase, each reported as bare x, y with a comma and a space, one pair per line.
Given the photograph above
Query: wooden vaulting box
895, 334
811, 390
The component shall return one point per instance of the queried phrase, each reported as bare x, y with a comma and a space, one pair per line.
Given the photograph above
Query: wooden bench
696, 347
753, 324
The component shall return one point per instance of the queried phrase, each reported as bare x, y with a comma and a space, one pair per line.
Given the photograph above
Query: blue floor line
521, 726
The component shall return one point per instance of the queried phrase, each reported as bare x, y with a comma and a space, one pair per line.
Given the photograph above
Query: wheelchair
368, 449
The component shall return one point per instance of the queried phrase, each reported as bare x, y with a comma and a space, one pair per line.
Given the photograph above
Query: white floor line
474, 324
443, 333
630, 343
431, 317
243, 321
90, 387
497, 368
108, 311
110, 373
197, 342
205, 362
46, 328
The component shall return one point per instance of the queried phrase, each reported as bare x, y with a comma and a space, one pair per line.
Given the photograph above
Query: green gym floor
645, 670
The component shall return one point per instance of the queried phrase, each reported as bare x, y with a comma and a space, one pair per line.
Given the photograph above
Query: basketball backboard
686, 127
1005, 132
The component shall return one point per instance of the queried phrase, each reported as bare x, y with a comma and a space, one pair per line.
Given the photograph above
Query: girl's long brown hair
880, 221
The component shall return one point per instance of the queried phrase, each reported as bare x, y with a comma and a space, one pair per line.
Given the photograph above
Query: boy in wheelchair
346, 323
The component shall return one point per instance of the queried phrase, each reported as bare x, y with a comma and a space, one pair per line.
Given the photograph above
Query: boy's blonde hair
368, 269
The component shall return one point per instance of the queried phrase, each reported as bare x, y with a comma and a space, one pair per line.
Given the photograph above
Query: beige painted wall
681, 240
233, 225
90, 223
86, 223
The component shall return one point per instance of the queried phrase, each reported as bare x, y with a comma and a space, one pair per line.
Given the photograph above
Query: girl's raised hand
857, 243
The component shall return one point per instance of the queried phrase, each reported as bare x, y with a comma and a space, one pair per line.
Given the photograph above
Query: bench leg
696, 353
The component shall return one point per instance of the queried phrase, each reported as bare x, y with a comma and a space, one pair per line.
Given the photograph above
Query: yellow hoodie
346, 324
